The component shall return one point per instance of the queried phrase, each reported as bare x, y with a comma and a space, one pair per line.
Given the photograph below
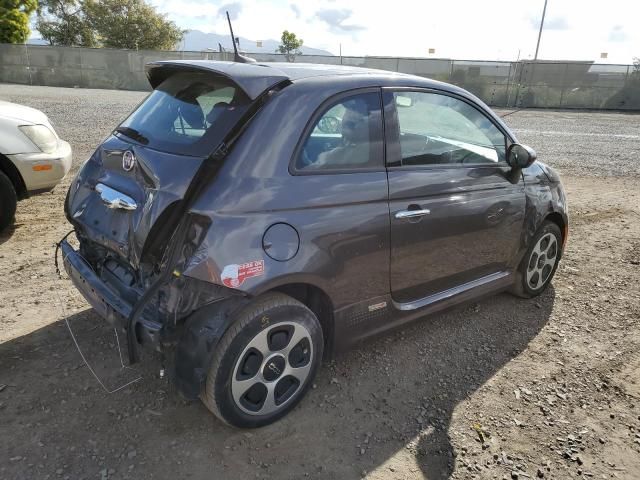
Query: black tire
523, 286
263, 318
8, 202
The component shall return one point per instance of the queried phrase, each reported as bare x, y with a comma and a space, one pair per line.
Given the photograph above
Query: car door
337, 198
456, 218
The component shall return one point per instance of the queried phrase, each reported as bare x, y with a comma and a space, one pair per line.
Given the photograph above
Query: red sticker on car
234, 275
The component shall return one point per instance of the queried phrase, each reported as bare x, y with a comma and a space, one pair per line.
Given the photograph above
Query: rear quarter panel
342, 220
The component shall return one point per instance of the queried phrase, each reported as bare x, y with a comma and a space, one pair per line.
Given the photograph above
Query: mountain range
195, 40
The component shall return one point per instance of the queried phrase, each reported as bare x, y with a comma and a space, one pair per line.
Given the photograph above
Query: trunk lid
125, 193
155, 184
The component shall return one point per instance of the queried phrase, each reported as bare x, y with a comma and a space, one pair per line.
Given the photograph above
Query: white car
33, 159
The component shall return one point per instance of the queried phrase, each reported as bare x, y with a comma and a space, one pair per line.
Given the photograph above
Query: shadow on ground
7, 233
383, 408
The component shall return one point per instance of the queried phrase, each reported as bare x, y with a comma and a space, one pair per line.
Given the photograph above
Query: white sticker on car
234, 275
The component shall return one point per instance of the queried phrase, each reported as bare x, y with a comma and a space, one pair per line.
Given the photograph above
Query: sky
481, 29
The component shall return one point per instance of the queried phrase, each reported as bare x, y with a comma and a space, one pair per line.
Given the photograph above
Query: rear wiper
133, 133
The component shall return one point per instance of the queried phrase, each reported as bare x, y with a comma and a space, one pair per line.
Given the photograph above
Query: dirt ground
504, 388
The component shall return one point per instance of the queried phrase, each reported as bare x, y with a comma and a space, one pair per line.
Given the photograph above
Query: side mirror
520, 156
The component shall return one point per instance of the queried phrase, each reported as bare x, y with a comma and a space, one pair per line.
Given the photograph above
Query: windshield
189, 113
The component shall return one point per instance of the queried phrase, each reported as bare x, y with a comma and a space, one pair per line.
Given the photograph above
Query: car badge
128, 160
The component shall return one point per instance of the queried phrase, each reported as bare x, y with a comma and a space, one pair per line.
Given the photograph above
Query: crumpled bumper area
104, 298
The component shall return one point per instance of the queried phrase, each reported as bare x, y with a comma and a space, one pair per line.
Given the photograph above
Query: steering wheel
328, 124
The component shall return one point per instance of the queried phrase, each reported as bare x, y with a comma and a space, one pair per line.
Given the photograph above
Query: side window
438, 129
346, 135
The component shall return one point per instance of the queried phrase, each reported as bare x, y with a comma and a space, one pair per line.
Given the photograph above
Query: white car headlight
41, 136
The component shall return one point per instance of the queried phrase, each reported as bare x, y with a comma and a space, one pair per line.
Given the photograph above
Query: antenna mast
236, 56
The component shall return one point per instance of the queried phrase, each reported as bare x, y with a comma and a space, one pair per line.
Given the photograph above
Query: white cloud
337, 19
490, 29
233, 9
550, 23
617, 34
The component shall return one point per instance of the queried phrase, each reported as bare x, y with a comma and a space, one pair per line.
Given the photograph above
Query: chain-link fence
546, 84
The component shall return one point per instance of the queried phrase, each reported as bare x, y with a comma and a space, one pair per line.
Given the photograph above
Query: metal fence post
508, 85
564, 81
26, 48
520, 65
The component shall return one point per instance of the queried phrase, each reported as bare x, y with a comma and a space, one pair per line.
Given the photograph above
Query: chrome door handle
115, 199
413, 213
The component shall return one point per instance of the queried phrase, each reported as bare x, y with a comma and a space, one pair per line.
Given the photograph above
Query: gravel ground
504, 388
582, 143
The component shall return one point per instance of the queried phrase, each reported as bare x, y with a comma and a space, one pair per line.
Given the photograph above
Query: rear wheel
8, 201
540, 262
264, 363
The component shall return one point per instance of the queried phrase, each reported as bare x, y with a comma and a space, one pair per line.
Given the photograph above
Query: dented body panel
255, 224
159, 181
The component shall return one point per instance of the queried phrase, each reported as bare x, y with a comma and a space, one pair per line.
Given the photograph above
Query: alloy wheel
542, 261
272, 368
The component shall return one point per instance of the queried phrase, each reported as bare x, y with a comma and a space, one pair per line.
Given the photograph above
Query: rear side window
184, 111
347, 135
438, 129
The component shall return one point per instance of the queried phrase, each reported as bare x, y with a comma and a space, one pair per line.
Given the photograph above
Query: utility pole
544, 11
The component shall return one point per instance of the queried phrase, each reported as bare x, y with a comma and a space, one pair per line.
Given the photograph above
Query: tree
14, 20
628, 97
63, 22
132, 24
290, 45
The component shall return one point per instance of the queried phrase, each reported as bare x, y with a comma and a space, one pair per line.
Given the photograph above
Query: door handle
412, 213
115, 199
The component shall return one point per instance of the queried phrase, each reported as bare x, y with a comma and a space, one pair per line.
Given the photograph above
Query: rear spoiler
252, 78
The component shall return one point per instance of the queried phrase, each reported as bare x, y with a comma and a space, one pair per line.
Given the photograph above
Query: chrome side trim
436, 297
115, 199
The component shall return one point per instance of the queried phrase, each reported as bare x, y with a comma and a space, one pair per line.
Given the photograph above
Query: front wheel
540, 262
265, 362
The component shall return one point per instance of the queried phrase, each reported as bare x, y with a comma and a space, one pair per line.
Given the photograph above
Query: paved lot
504, 388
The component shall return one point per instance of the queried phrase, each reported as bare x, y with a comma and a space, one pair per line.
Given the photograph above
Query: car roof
255, 78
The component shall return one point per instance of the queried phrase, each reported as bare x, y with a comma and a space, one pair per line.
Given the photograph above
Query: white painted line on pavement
579, 134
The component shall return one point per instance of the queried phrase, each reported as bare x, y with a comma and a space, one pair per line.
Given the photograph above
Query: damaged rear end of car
130, 206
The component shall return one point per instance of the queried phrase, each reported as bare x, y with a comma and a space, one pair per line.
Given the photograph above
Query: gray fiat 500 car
248, 219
